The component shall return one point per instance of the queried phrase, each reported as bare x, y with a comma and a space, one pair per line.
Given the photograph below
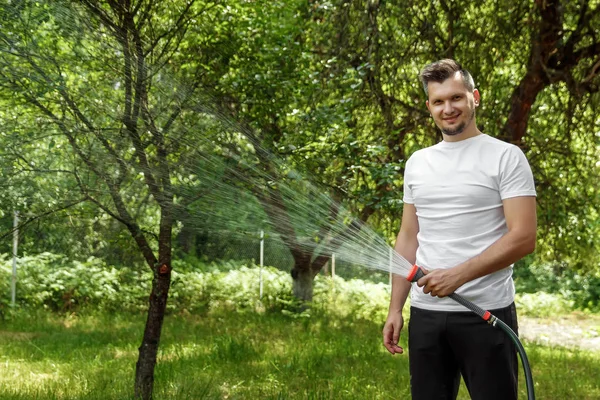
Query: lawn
231, 355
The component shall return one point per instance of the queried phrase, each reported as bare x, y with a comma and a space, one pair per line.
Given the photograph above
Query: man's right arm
406, 246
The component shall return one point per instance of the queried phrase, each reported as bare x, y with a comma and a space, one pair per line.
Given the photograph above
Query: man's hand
391, 332
440, 282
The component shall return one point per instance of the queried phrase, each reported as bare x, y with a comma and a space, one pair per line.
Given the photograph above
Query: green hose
416, 273
498, 323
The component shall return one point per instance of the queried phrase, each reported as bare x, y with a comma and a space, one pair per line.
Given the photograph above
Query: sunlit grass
236, 356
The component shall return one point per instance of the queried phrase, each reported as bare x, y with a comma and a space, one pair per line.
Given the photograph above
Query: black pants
442, 346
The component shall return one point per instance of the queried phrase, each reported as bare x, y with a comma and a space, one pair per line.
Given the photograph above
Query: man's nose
448, 108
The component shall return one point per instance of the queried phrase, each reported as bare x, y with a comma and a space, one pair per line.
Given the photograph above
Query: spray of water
218, 165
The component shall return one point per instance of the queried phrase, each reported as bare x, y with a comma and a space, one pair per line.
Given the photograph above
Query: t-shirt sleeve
516, 178
407, 197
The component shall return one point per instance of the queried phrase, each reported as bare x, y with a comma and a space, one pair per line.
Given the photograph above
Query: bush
237, 289
54, 282
542, 304
51, 281
354, 298
582, 291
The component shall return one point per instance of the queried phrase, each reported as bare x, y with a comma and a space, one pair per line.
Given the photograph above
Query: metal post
262, 259
13, 283
333, 265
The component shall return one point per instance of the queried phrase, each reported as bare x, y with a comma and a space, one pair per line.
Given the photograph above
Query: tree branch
42, 215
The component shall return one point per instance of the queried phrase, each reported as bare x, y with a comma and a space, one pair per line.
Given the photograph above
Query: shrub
54, 282
542, 304
582, 291
51, 281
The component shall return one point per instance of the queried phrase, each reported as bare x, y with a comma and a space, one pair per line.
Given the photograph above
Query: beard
460, 128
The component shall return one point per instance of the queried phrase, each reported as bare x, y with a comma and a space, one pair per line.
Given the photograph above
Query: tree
338, 82
563, 48
264, 78
536, 66
553, 108
118, 144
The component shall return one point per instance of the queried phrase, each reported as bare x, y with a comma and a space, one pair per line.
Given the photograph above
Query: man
469, 214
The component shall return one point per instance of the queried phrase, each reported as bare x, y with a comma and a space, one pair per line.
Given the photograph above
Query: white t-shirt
457, 189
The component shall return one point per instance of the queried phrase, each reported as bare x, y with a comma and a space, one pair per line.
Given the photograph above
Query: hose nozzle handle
417, 273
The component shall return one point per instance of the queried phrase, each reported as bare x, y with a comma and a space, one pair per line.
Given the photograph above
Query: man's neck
469, 132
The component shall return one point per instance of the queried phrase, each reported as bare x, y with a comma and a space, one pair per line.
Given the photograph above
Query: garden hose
417, 273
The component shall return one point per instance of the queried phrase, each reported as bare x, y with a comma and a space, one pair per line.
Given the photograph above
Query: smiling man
469, 214
453, 104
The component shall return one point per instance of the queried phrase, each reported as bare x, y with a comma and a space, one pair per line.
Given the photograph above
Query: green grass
236, 356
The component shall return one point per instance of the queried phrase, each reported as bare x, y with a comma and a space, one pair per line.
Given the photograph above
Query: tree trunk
303, 282
144, 369
522, 99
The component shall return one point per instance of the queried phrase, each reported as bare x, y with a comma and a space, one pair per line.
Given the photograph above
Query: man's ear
476, 97
427, 104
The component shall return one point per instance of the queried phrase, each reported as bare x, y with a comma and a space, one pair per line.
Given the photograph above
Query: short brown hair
441, 70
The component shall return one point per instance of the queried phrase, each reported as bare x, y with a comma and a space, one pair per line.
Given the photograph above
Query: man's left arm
521, 221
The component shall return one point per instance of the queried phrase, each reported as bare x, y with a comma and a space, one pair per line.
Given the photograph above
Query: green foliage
56, 283
542, 304
353, 298
559, 281
328, 89
235, 289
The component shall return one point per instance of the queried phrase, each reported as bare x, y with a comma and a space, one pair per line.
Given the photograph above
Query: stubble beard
460, 128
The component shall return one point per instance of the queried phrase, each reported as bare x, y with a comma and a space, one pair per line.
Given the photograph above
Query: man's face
452, 105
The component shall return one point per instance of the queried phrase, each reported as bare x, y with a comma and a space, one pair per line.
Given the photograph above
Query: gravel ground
574, 331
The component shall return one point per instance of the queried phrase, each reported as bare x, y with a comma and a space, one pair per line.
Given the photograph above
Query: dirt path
575, 330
